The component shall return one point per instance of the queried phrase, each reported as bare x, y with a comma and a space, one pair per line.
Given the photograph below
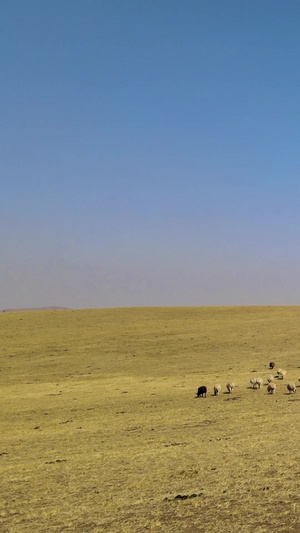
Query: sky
149, 153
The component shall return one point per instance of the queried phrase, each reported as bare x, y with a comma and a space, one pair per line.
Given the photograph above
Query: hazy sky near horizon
150, 152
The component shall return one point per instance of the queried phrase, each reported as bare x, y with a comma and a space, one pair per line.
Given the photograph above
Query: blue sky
149, 152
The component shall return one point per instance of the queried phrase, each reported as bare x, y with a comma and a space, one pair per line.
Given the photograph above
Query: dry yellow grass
101, 429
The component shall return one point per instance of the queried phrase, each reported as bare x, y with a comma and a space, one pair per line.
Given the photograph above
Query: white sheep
270, 379
217, 389
230, 386
271, 388
256, 383
291, 387
259, 382
281, 373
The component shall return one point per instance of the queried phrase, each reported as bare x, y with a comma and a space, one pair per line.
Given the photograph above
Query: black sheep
202, 392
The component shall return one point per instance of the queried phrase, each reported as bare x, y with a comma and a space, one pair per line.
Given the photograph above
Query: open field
101, 429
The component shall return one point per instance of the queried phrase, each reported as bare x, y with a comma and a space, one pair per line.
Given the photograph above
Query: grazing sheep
271, 388
270, 379
202, 392
291, 387
256, 383
281, 373
217, 389
230, 387
272, 365
259, 382
299, 379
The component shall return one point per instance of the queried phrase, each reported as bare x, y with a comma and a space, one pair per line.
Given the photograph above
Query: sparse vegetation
101, 429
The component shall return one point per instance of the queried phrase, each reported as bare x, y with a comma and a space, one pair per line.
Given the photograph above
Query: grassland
101, 429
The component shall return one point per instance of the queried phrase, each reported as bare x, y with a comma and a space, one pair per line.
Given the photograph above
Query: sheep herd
255, 383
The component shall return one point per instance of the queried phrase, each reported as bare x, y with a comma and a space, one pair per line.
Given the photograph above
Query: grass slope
101, 430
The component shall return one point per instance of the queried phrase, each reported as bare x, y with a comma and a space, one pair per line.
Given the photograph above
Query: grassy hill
101, 429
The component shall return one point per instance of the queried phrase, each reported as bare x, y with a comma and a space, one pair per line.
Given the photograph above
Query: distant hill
21, 310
